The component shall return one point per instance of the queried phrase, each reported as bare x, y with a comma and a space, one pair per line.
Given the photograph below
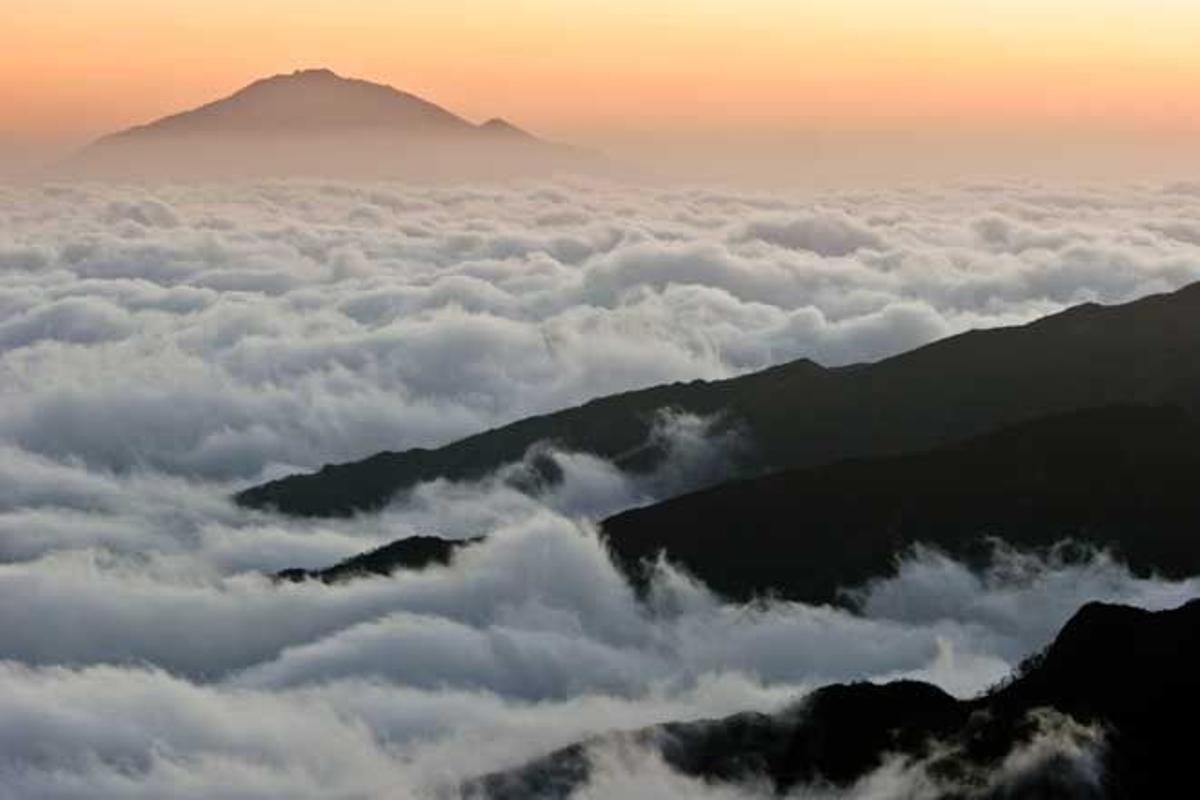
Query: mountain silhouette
413, 553
1117, 682
307, 99
801, 414
1115, 478
1119, 478
316, 122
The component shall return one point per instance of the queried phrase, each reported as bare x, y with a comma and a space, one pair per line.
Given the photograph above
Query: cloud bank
139, 681
162, 346
232, 332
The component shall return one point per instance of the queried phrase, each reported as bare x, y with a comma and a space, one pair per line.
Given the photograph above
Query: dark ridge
1119, 478
801, 414
1131, 669
413, 553
1131, 674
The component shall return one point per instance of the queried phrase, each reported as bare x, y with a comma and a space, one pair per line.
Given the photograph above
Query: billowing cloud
163, 346
1059, 750
823, 234
406, 684
228, 332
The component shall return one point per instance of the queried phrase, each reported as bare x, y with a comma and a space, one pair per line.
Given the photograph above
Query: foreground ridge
1103, 709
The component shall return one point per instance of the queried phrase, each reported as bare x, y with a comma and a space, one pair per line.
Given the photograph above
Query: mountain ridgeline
1119, 478
1100, 713
415, 553
801, 414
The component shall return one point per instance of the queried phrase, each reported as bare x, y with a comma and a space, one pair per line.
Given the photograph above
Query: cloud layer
137, 679
224, 332
161, 346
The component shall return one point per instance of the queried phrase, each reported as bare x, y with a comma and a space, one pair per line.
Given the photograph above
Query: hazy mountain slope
1128, 674
314, 122
307, 99
801, 414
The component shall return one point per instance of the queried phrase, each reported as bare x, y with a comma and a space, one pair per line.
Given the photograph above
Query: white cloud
224, 331
75, 320
824, 234
162, 346
526, 644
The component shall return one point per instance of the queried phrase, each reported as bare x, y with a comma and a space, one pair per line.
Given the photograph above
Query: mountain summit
308, 100
315, 121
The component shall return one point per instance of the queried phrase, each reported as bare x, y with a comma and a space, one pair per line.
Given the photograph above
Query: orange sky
591, 69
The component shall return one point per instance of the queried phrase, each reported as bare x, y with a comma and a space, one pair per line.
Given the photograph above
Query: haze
870, 84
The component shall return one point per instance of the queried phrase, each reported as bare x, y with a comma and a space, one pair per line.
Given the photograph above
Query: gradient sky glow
584, 70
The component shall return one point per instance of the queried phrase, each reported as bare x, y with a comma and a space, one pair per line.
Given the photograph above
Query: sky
165, 345
685, 71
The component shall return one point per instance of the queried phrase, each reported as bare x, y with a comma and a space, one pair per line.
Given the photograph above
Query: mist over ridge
165, 344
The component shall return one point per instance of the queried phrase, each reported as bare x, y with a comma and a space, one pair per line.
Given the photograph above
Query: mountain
413, 553
802, 414
1121, 478
1117, 691
317, 122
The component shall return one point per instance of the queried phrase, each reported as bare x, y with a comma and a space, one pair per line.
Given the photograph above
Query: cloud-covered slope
415, 552
801, 414
1116, 478
1099, 714
163, 345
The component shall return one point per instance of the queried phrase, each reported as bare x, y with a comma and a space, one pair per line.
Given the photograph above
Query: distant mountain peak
315, 76
315, 121
498, 126
316, 72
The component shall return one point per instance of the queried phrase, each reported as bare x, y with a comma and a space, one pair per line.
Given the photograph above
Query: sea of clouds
163, 346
